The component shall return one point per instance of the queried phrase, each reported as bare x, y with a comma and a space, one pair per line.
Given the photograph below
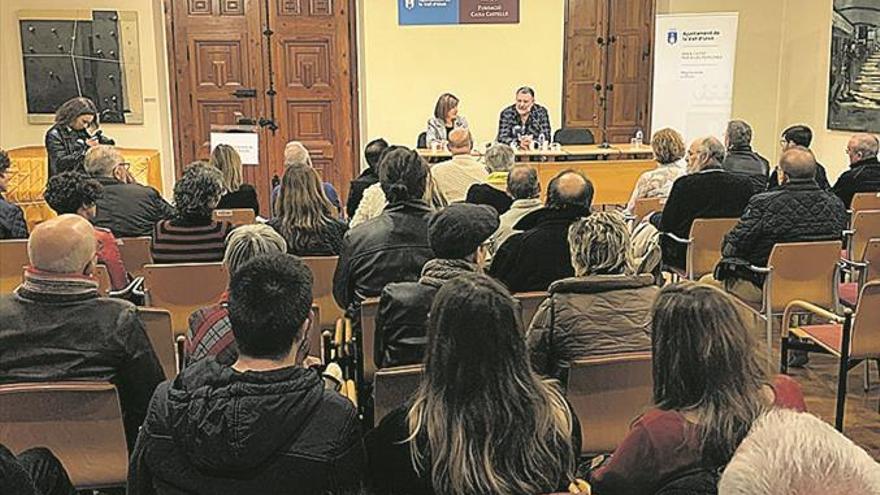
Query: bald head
522, 181
64, 244
296, 154
569, 188
862, 147
460, 141
798, 163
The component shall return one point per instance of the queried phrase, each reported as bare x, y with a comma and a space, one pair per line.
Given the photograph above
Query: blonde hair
100, 160
302, 206
225, 159
248, 241
600, 245
668, 146
295, 153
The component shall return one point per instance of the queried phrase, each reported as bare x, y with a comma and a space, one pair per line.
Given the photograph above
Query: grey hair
739, 133
197, 193
499, 157
866, 144
600, 245
101, 160
295, 153
248, 241
710, 151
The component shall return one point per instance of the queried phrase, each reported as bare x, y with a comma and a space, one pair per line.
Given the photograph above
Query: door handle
610, 87
245, 93
598, 87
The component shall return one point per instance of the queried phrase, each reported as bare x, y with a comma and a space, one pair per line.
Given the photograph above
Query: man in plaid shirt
524, 121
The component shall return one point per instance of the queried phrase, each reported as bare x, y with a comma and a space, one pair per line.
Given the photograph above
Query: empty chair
322, 268
13, 259
703, 246
157, 323
529, 303
392, 387
573, 135
422, 140
868, 270
865, 201
184, 288
80, 422
235, 216
135, 253
865, 226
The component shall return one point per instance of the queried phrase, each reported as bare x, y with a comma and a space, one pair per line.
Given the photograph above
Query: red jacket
108, 255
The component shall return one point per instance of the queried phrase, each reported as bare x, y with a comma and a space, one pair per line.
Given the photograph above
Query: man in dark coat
864, 169
540, 255
741, 159
798, 135
265, 424
373, 154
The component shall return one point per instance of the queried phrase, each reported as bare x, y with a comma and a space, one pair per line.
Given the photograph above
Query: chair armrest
677, 238
760, 269
812, 308
131, 288
849, 233
858, 265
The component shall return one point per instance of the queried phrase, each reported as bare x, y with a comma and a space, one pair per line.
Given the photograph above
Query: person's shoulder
8, 208
336, 413
247, 189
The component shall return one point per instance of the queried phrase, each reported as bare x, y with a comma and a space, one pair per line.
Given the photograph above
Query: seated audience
709, 387
236, 194
304, 215
604, 309
481, 421
798, 135
265, 424
455, 176
56, 327
792, 453
35, 471
740, 159
668, 149
370, 175
210, 333
373, 203
192, 236
75, 193
796, 212
12, 223
499, 158
540, 255
456, 235
525, 189
445, 120
708, 191
392, 247
295, 153
864, 168
126, 208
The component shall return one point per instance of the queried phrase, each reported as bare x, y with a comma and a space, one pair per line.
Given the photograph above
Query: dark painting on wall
854, 89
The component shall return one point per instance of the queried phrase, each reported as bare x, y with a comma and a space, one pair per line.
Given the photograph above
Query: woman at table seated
709, 387
669, 149
445, 119
238, 195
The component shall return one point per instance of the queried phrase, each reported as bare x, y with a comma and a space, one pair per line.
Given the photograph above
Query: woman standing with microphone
68, 140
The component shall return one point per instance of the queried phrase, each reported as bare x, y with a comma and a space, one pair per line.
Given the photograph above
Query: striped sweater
179, 241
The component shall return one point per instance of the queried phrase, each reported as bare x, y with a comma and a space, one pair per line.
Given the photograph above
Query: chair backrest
80, 422
316, 340
865, 341
235, 216
184, 288
369, 310
872, 257
804, 270
607, 393
323, 268
136, 254
704, 251
865, 201
103, 277
865, 226
422, 140
13, 259
573, 135
393, 387
644, 206
157, 323
529, 303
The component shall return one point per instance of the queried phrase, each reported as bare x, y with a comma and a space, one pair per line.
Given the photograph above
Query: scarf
57, 287
438, 271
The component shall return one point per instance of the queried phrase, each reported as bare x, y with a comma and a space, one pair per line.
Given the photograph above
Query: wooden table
579, 150
613, 180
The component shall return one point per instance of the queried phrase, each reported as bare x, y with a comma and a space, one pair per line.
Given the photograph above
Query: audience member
192, 236
75, 193
126, 208
35, 471
266, 424
68, 140
12, 223
499, 158
454, 177
210, 333
798, 135
709, 387
55, 327
792, 453
523, 123
708, 191
796, 212
668, 149
525, 189
392, 247
604, 309
540, 255
740, 159
295, 153
445, 120
373, 155
456, 235
236, 194
304, 215
864, 169
481, 421
373, 203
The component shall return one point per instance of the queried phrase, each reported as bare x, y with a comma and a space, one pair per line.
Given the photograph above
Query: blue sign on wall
421, 12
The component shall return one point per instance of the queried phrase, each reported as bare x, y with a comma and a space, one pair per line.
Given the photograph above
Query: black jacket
746, 163
392, 247
213, 430
710, 193
821, 179
12, 222
245, 197
863, 176
357, 187
484, 194
539, 256
130, 210
67, 148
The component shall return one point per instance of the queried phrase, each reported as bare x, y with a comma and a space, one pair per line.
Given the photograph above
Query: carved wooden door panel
584, 68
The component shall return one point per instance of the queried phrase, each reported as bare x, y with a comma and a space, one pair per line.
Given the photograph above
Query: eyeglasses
124, 165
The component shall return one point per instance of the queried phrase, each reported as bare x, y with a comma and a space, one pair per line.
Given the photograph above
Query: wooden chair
529, 303
851, 339
104, 284
157, 323
184, 288
136, 254
13, 259
235, 216
369, 310
865, 201
323, 268
80, 422
863, 270
607, 393
645, 206
392, 387
703, 246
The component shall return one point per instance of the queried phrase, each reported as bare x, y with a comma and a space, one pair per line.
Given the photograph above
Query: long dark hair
71, 109
482, 421
302, 206
402, 174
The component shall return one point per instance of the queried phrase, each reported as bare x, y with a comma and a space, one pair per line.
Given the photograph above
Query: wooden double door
609, 67
285, 64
